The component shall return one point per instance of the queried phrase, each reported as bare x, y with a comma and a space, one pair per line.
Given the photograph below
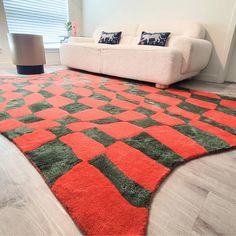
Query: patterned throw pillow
110, 37
154, 39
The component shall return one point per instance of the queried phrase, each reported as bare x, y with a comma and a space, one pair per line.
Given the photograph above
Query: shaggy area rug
104, 145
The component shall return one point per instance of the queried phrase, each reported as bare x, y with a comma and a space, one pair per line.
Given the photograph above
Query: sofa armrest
196, 53
81, 40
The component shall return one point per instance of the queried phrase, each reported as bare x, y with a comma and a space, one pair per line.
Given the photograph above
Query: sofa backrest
131, 34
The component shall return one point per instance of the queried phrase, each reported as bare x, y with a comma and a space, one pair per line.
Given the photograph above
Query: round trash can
27, 53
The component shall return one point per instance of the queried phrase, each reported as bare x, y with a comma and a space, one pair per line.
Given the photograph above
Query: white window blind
43, 17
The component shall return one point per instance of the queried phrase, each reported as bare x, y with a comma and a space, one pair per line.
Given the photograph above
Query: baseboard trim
231, 80
209, 78
4, 65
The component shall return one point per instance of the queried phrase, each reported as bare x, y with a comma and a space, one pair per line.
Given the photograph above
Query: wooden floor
198, 198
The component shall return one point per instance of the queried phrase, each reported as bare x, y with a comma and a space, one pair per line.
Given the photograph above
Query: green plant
68, 26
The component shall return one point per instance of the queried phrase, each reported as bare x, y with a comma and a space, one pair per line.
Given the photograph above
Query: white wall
75, 12
52, 55
231, 76
4, 47
215, 15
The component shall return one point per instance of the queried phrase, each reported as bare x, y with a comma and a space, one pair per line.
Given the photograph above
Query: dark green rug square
23, 92
60, 131
73, 108
106, 120
100, 97
112, 109
145, 122
138, 92
17, 132
67, 120
192, 108
30, 119
71, 95
15, 103
154, 149
99, 136
46, 94
4, 115
155, 103
40, 106
54, 159
145, 111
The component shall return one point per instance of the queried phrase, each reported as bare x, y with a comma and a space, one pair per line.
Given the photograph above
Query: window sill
51, 50
52, 47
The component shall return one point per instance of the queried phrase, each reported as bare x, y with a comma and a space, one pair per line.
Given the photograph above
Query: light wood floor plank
183, 197
216, 212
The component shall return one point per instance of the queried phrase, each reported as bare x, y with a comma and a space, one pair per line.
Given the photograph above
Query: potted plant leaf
68, 26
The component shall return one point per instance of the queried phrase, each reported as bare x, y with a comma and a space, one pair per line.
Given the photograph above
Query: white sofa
185, 54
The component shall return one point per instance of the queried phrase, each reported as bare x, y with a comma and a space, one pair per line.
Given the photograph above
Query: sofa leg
162, 86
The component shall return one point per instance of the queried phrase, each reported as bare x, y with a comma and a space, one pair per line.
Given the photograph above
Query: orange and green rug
104, 145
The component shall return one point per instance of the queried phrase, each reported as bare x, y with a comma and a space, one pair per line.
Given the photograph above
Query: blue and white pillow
110, 37
154, 39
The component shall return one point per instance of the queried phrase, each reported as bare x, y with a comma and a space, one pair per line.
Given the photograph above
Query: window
44, 17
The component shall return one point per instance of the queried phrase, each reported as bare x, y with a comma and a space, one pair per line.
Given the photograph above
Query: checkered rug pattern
104, 144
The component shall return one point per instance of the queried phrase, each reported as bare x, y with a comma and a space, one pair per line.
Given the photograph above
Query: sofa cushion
86, 55
110, 37
140, 62
154, 39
